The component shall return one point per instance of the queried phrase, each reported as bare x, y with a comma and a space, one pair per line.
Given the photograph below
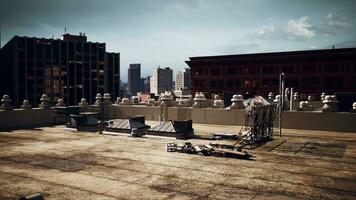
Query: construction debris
228, 136
33, 197
208, 150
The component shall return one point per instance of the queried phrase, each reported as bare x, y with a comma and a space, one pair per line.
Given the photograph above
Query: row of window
304, 82
308, 69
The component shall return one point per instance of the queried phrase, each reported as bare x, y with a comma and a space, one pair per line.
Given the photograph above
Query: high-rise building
308, 72
134, 79
112, 62
161, 80
186, 79
179, 80
145, 84
69, 68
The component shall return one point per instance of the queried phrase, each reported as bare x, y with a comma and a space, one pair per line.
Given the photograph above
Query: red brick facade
308, 72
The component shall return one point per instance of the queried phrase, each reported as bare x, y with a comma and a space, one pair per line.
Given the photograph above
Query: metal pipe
291, 99
281, 101
0, 37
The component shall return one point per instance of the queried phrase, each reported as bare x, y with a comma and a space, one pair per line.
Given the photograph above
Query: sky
167, 32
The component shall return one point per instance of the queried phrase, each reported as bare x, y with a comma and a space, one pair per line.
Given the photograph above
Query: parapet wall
198, 115
21, 118
307, 120
330, 121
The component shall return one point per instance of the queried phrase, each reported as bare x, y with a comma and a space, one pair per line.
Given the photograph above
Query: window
230, 83
267, 70
265, 83
231, 71
247, 83
331, 68
311, 81
217, 84
215, 72
309, 69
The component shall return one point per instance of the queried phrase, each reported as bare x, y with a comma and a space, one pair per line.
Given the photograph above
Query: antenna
0, 37
65, 29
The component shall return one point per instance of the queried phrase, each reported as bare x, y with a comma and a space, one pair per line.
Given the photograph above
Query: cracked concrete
64, 164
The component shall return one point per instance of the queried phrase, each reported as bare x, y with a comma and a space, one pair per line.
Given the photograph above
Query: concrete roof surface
65, 164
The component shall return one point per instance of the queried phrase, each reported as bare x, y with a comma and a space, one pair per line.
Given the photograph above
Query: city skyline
167, 33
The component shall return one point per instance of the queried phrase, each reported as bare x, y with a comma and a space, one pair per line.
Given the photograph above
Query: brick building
308, 72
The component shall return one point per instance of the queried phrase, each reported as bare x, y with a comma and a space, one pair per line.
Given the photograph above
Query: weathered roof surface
165, 127
127, 124
66, 165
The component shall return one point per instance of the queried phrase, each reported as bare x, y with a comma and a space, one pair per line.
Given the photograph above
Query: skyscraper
134, 79
112, 61
179, 80
69, 68
186, 79
161, 80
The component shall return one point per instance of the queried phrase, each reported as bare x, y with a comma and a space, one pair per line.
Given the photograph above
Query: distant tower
134, 79
161, 80
179, 80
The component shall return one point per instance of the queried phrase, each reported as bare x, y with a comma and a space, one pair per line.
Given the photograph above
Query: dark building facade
112, 64
308, 72
134, 79
70, 68
186, 79
145, 84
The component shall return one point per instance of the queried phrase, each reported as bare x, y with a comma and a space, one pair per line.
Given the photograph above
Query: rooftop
318, 52
65, 164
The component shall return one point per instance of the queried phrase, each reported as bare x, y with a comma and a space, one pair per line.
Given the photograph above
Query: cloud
294, 29
240, 48
333, 24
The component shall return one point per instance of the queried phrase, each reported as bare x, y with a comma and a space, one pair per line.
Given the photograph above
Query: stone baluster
189, 101
107, 99
296, 96
6, 103
83, 103
45, 103
135, 100
330, 104
270, 97
277, 98
26, 105
306, 105
99, 99
296, 101
125, 101
181, 102
151, 102
60, 103
118, 100
322, 96
218, 103
199, 100
166, 99
237, 102
310, 103
354, 107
